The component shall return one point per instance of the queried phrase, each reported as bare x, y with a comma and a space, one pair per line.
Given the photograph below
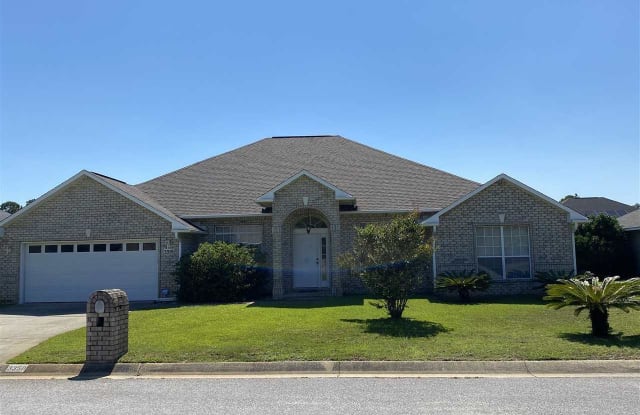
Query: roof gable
130, 192
573, 215
630, 221
341, 195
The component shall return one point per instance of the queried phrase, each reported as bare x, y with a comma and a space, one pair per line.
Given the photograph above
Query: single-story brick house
299, 198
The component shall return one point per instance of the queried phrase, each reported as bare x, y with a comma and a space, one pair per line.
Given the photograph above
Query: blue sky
545, 91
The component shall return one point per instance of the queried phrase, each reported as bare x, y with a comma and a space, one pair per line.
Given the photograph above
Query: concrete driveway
24, 326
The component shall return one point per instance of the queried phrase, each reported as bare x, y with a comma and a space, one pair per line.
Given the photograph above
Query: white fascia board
175, 225
226, 215
574, 217
339, 193
45, 196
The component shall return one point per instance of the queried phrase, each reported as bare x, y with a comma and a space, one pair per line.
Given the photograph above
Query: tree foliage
220, 272
588, 292
10, 207
391, 259
602, 248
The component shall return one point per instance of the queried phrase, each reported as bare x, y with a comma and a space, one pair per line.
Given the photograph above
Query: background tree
573, 196
10, 207
28, 202
602, 248
391, 259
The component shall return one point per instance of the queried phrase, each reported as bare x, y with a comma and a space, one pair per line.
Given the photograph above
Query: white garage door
66, 271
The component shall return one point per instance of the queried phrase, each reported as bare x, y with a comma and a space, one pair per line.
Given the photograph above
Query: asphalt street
595, 395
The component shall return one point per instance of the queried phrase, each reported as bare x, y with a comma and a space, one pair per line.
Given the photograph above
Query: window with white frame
239, 234
503, 251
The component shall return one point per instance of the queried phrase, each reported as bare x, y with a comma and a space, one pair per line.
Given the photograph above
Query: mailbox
107, 326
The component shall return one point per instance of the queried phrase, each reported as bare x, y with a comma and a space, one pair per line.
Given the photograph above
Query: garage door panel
73, 276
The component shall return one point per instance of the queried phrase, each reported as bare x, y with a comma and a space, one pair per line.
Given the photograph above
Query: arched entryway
310, 254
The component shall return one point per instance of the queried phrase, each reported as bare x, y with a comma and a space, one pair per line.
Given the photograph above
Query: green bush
464, 282
220, 272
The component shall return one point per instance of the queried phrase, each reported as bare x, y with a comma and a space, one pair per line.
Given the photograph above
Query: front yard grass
349, 328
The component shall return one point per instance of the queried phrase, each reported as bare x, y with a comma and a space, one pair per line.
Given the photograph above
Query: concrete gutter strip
332, 368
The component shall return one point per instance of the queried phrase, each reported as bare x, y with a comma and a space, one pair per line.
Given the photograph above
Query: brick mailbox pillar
107, 326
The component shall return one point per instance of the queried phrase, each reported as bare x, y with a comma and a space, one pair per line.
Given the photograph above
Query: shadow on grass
405, 327
614, 340
311, 302
479, 299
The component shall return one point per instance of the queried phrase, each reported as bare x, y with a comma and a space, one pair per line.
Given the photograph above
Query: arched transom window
312, 222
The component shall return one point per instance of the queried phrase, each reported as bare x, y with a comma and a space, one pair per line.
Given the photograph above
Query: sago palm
598, 296
463, 282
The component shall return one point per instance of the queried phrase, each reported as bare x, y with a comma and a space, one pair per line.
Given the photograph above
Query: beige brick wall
65, 216
549, 232
288, 207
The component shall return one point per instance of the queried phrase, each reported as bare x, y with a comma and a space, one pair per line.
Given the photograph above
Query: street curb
330, 368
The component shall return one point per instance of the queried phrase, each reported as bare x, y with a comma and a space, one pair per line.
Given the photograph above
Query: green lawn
349, 328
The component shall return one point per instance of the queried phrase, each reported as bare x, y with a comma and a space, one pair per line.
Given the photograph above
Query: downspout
573, 246
177, 235
433, 261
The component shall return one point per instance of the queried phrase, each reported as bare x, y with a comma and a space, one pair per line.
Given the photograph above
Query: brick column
278, 286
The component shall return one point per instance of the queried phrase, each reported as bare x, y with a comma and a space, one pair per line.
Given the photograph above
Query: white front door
310, 258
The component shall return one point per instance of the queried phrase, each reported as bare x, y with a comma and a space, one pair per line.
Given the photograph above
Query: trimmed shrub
220, 272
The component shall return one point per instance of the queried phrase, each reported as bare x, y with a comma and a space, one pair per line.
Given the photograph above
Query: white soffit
340, 194
573, 215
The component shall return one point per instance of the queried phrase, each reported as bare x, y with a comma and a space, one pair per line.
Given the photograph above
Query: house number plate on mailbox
16, 368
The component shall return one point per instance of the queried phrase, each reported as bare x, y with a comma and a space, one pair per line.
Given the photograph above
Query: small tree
391, 259
587, 292
10, 207
601, 247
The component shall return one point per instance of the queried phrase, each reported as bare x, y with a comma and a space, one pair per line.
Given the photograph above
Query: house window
239, 234
503, 251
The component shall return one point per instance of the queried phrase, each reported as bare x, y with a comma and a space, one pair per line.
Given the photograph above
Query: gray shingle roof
630, 221
4, 214
231, 182
145, 198
589, 206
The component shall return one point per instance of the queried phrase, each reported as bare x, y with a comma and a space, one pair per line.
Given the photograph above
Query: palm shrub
464, 282
391, 259
588, 292
549, 277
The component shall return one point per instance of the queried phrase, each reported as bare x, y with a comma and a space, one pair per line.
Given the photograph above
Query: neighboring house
4, 214
593, 206
631, 225
300, 199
